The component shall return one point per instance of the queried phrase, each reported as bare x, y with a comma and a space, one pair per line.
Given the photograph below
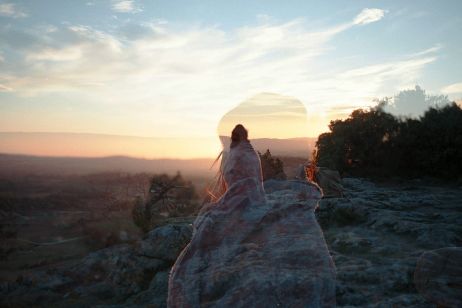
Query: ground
55, 227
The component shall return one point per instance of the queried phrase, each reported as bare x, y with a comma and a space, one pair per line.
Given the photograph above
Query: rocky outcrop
125, 275
438, 276
386, 240
165, 243
257, 254
377, 232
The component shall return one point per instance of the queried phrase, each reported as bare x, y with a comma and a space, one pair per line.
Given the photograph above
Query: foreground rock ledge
438, 276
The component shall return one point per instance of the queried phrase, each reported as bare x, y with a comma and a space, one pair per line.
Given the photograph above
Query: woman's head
238, 134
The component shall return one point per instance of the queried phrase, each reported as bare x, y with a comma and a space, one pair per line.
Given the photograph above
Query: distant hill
28, 153
14, 165
291, 147
24, 165
100, 145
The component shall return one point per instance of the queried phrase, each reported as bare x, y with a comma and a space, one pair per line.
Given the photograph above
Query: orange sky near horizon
266, 115
93, 145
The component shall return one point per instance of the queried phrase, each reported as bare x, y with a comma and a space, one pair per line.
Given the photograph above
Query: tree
168, 196
432, 145
376, 143
357, 142
272, 168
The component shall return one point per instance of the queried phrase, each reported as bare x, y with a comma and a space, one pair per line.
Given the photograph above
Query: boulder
330, 182
117, 271
125, 275
155, 295
438, 276
166, 242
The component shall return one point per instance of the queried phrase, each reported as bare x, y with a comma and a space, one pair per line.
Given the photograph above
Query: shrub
272, 168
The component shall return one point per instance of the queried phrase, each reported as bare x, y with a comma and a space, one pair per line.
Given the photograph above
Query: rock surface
377, 232
438, 276
165, 243
376, 235
119, 275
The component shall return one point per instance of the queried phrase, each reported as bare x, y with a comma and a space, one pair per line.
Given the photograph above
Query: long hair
238, 134
217, 187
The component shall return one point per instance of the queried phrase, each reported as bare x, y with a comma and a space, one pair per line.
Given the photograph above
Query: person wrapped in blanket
252, 248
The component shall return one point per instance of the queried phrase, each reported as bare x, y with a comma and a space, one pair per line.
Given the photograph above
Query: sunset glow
165, 70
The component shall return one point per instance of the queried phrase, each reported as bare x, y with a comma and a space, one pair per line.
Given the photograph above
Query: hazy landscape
52, 223
79, 204
230, 154
64, 217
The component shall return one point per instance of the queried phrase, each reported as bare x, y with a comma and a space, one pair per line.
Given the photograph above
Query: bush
272, 168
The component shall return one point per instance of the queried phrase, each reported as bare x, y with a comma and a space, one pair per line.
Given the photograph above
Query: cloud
427, 51
51, 54
4, 88
195, 74
368, 16
414, 102
454, 88
10, 10
125, 6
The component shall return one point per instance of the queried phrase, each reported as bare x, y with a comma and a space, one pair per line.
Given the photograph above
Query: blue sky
174, 68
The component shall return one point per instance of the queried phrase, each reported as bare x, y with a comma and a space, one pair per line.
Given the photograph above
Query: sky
173, 69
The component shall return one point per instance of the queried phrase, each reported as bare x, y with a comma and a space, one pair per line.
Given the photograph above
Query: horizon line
143, 137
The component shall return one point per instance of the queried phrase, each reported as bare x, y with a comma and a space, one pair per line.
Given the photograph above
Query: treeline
377, 143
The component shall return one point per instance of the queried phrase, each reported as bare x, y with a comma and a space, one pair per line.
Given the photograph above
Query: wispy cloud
4, 88
196, 74
455, 88
125, 6
369, 15
11, 10
427, 51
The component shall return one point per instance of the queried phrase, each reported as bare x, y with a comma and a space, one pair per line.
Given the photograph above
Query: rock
341, 212
257, 254
165, 243
117, 272
438, 276
405, 300
30, 297
155, 295
123, 236
330, 182
376, 233
351, 242
106, 277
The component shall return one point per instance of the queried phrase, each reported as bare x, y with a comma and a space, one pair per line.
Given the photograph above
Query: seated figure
255, 249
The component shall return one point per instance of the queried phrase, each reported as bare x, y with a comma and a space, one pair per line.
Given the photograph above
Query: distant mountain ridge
29, 165
293, 147
99, 145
